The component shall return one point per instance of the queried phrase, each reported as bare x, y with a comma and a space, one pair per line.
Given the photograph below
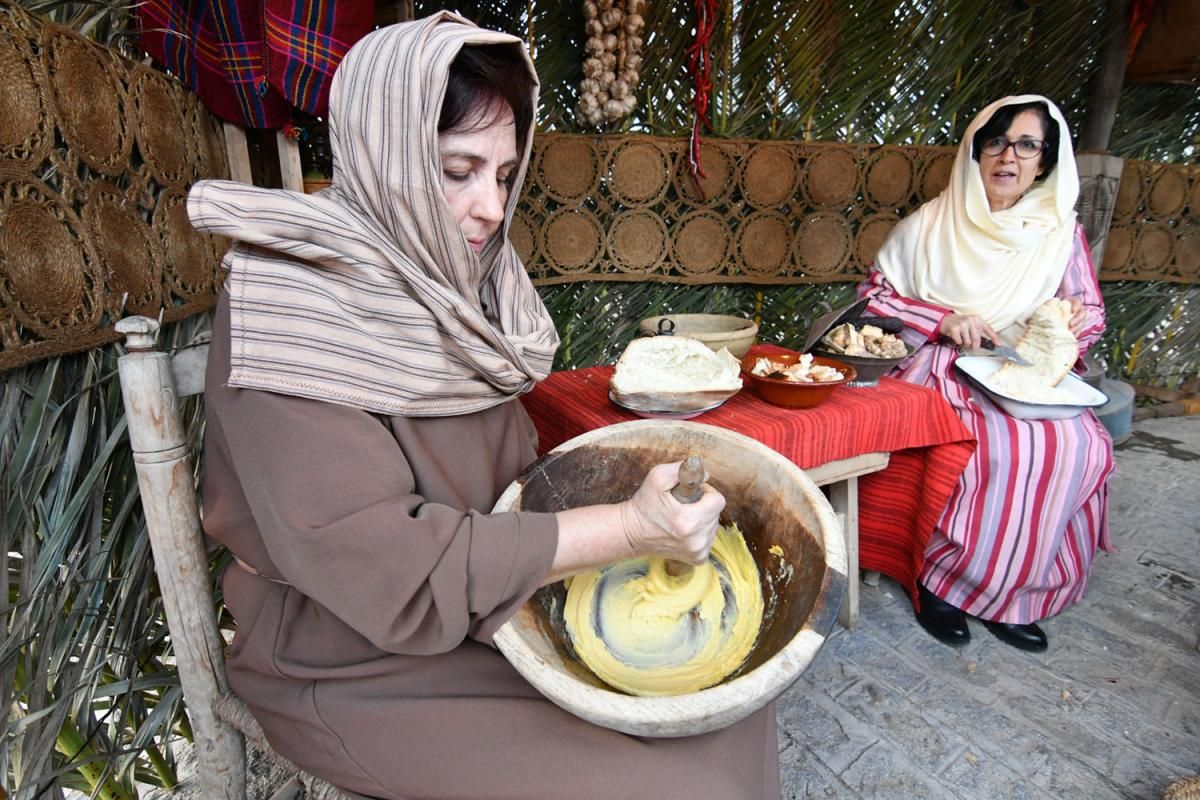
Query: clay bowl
773, 502
792, 394
735, 334
868, 370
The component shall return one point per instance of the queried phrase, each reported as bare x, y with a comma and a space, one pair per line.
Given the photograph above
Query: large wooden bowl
775, 504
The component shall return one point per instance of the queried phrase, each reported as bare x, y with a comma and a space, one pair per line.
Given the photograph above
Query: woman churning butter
368, 351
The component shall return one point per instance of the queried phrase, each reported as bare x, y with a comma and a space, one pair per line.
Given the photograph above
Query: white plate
652, 414
980, 368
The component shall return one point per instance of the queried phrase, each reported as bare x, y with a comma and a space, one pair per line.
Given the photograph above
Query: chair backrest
237, 153
152, 385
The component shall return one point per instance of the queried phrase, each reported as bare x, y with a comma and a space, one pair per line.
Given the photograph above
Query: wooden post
843, 496
1105, 94
237, 152
161, 457
1099, 179
1099, 173
291, 173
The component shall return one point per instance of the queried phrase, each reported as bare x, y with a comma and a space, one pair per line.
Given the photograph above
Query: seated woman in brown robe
368, 351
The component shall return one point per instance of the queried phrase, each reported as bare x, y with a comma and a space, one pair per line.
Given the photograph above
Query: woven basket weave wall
1183, 789
96, 156
625, 208
1155, 229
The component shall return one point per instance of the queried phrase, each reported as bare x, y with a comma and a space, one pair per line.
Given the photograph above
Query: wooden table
841, 479
848, 445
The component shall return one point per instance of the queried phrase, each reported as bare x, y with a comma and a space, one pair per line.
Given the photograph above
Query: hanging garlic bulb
612, 68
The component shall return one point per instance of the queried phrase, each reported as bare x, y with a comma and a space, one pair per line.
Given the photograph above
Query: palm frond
84, 643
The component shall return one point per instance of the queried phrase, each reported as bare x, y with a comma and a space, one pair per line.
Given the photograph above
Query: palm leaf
83, 647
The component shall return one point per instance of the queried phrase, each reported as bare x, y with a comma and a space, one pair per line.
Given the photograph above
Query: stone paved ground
1111, 710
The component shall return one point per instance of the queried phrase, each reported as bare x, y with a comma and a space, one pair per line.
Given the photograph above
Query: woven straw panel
1155, 229
622, 208
96, 156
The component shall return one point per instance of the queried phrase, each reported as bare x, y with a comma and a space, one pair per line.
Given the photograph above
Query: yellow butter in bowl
647, 632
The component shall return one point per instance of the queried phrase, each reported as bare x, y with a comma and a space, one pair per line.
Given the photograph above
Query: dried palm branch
90, 703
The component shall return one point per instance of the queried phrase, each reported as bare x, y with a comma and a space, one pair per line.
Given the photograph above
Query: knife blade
1004, 351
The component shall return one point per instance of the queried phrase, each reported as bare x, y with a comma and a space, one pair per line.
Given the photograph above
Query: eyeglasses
1022, 148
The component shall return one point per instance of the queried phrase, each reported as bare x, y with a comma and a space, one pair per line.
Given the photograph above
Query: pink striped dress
1019, 533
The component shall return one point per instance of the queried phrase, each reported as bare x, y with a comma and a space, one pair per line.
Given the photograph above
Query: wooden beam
238, 153
291, 173
1107, 81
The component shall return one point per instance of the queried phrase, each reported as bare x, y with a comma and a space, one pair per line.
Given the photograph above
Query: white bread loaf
674, 373
1051, 349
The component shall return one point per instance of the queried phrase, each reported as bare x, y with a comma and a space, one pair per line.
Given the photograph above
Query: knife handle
984, 342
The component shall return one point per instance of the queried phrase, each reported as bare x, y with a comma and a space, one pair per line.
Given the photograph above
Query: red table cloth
898, 506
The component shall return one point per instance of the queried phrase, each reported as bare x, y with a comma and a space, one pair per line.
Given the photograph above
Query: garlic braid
614, 59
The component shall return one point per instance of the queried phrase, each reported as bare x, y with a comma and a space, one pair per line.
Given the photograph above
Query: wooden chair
152, 385
237, 153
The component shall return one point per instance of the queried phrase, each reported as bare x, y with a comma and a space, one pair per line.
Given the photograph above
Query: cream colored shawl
368, 294
955, 252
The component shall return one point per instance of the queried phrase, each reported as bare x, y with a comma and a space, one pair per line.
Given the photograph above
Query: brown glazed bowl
791, 394
791, 532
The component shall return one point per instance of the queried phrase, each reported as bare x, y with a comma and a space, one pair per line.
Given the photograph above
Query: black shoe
943, 621
1023, 637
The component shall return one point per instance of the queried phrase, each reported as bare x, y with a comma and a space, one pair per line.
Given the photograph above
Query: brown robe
371, 665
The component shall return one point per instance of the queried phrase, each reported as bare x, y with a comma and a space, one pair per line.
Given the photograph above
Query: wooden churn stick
688, 490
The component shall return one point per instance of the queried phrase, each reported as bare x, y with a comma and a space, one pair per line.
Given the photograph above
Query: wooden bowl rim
744, 323
717, 706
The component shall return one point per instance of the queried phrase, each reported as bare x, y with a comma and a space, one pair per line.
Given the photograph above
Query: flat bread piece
674, 373
1051, 350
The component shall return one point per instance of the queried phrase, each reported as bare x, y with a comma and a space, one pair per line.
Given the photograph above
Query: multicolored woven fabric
252, 61
898, 507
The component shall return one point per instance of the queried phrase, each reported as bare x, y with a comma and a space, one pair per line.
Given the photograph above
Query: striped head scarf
368, 294
955, 252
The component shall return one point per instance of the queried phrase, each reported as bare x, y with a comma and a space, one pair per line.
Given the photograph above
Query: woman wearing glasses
1016, 541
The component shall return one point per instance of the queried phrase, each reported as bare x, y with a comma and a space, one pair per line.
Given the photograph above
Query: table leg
843, 496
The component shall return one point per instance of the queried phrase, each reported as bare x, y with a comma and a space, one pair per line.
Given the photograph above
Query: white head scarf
957, 253
368, 294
